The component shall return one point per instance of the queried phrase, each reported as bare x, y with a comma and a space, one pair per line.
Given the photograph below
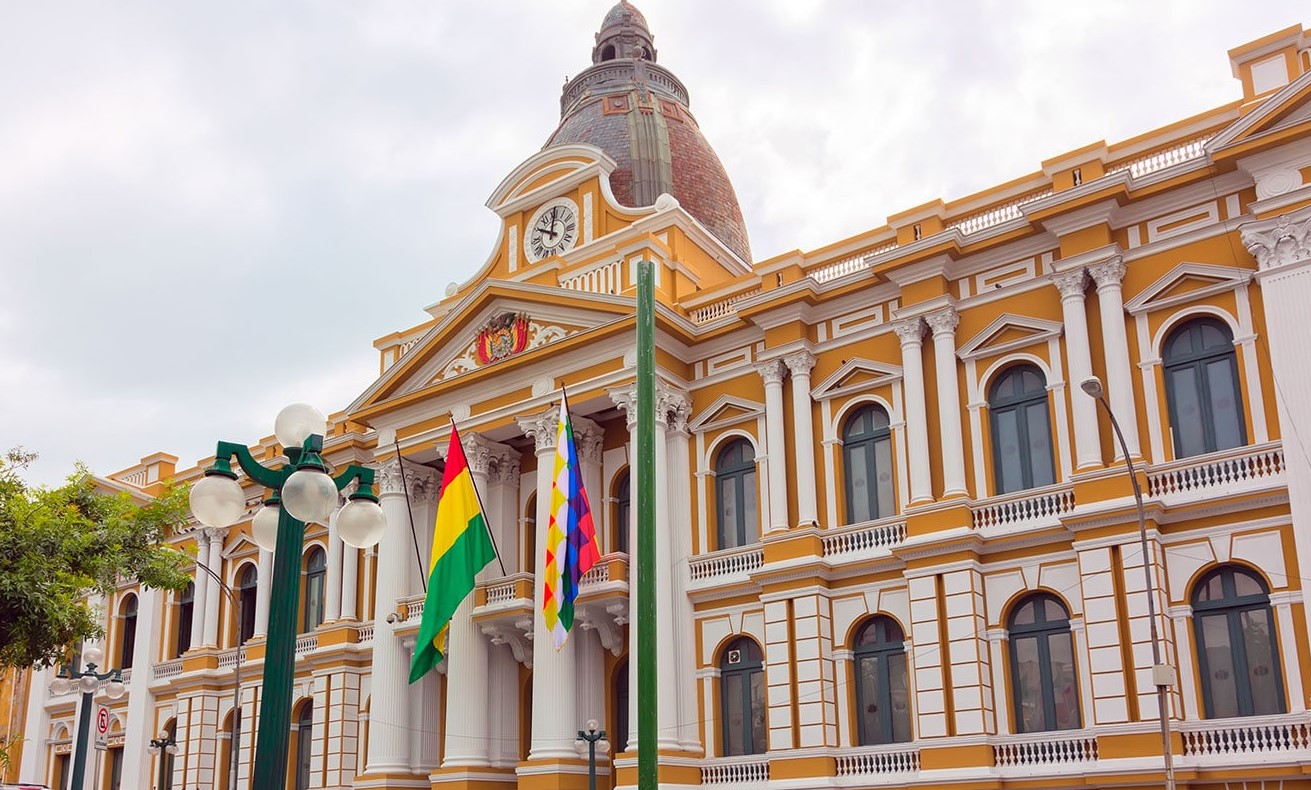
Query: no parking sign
102, 727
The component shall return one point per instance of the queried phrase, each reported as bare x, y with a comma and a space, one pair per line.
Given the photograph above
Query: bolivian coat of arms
503, 336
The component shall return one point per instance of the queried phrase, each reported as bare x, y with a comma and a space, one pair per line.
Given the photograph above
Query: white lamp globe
115, 689
296, 423
309, 495
217, 501
603, 746
153, 749
264, 527
60, 686
361, 523
88, 684
92, 655
172, 748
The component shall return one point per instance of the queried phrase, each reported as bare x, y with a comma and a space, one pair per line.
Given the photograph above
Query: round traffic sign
102, 721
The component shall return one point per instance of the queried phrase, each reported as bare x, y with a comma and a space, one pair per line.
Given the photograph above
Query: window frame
127, 637
748, 668
186, 609
868, 445
1197, 362
880, 649
1042, 630
314, 575
247, 593
1233, 607
623, 504
998, 405
739, 475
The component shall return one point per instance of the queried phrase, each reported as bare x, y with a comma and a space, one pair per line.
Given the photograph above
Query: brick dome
636, 111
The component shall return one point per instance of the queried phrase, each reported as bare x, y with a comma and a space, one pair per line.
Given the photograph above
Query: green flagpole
647, 765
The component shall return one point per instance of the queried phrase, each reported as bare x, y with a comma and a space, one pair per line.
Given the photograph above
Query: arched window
867, 462
735, 480
1237, 647
742, 687
127, 612
185, 610
623, 511
619, 729
529, 558
882, 688
608, 52
316, 571
1046, 688
1021, 431
304, 745
247, 585
1201, 386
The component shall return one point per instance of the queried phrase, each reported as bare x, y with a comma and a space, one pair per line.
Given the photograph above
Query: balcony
749, 771
503, 610
864, 540
869, 761
726, 566
1239, 471
1251, 739
1034, 509
1036, 752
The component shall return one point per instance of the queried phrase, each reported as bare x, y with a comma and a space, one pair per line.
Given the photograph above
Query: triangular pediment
1283, 113
856, 375
494, 324
1007, 333
1187, 282
727, 410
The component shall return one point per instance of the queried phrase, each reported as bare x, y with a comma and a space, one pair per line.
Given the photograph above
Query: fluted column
215, 564
1115, 345
199, 602
943, 325
911, 333
680, 532
263, 587
1078, 352
554, 679
140, 700
502, 668
350, 583
803, 436
467, 659
773, 372
332, 591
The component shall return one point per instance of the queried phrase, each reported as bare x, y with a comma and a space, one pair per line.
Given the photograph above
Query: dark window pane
734, 715
870, 698
1040, 444
728, 512
750, 524
759, 730
1226, 416
1219, 682
883, 477
898, 683
1024, 615
858, 475
1188, 426
1211, 337
1010, 462
1258, 642
1028, 685
1065, 686
1245, 584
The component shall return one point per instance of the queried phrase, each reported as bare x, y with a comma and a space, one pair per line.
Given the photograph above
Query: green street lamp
590, 739
166, 745
88, 682
304, 490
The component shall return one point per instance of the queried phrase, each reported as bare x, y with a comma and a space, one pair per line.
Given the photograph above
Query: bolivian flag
461, 546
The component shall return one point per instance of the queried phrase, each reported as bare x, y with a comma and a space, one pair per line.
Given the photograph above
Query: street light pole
589, 738
166, 745
88, 682
1162, 674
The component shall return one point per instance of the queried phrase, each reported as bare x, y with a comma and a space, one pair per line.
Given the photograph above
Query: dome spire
624, 35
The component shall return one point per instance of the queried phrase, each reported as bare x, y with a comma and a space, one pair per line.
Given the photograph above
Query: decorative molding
800, 363
773, 371
1041, 331
1070, 284
1109, 273
909, 330
943, 322
420, 481
542, 428
1278, 242
538, 335
1225, 278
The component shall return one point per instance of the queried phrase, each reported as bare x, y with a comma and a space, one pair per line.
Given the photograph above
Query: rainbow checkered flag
571, 547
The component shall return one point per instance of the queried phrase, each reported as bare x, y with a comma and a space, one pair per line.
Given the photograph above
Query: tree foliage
61, 545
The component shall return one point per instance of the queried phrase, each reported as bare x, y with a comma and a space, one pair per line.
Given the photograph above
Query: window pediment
856, 375
1185, 283
1009, 333
725, 411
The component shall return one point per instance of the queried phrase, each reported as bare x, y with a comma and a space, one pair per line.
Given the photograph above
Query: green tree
61, 545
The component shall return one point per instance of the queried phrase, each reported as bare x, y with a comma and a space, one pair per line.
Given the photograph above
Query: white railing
724, 307
505, 590
166, 669
125, 675
732, 770
878, 760
1254, 735
862, 538
1045, 749
414, 609
848, 265
600, 279
1024, 508
996, 215
137, 478
598, 574
1160, 160
305, 643
231, 657
727, 563
1216, 471
364, 633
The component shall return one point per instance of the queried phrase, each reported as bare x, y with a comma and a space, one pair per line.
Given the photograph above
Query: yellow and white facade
897, 543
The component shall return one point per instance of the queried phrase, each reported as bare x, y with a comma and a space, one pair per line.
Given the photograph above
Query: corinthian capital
673, 406
910, 330
542, 428
417, 481
1109, 272
482, 453
1279, 242
943, 322
1071, 284
772, 371
800, 363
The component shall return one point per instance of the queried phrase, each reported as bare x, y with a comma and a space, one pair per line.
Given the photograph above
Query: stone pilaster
803, 436
943, 326
1087, 433
1115, 345
911, 333
773, 372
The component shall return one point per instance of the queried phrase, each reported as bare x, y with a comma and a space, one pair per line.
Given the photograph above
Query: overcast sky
209, 210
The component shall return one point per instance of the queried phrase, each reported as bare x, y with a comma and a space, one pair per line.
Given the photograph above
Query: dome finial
624, 35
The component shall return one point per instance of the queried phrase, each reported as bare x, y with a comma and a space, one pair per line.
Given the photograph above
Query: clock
553, 230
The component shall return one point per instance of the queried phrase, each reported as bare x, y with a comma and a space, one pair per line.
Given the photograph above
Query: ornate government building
897, 541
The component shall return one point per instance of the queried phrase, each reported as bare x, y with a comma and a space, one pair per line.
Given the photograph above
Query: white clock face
553, 230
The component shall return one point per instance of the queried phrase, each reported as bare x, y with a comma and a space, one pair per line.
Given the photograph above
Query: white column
911, 333
554, 680
666, 655
468, 657
680, 531
803, 436
140, 701
1282, 248
943, 325
1087, 434
332, 593
775, 452
36, 728
627, 401
389, 712
263, 588
215, 594
201, 599
1115, 346
350, 582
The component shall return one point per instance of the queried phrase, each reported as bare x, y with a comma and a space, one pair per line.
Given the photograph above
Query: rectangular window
1219, 680
1189, 434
